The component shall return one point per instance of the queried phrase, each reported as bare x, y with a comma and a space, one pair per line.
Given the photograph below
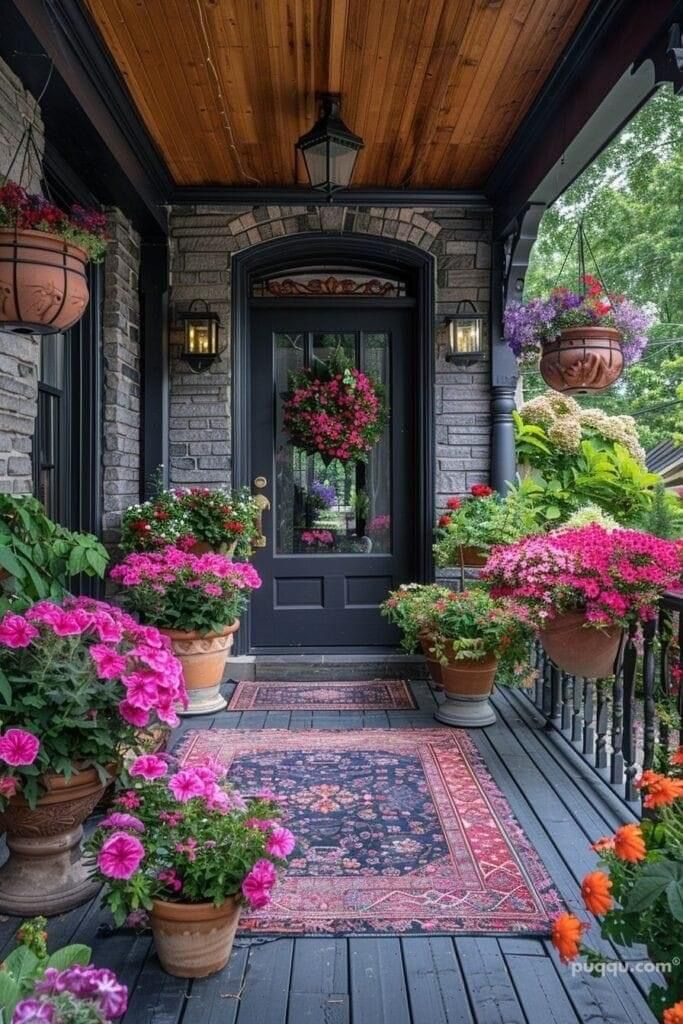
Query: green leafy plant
187, 835
27, 963
664, 518
482, 521
411, 608
39, 556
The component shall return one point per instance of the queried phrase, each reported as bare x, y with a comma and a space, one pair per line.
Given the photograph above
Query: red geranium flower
481, 491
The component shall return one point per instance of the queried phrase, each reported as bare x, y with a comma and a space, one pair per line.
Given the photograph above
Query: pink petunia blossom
8, 785
15, 631
280, 843
118, 820
170, 878
148, 766
68, 624
129, 799
108, 664
257, 885
19, 747
134, 716
120, 856
186, 784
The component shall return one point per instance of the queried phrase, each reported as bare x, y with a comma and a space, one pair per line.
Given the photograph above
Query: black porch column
154, 351
503, 383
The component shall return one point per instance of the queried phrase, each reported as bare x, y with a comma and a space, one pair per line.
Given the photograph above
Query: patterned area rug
398, 831
373, 695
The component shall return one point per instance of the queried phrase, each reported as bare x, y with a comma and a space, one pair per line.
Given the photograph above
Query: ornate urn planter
45, 873
468, 685
43, 282
582, 360
203, 657
193, 940
578, 649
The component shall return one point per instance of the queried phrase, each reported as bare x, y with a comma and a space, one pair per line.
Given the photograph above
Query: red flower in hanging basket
335, 411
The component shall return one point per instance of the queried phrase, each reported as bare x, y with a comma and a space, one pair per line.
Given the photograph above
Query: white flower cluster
567, 424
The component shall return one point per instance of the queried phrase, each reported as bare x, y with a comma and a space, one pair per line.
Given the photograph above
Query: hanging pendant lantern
330, 148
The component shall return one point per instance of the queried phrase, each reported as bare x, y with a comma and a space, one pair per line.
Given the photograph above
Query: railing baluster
546, 700
664, 627
601, 723
630, 664
617, 769
649, 669
577, 717
567, 701
539, 658
588, 728
555, 716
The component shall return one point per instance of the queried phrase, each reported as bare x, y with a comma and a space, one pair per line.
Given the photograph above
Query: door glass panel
334, 508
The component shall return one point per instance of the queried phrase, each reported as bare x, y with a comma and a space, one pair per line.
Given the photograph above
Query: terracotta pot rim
479, 663
34, 233
611, 333
574, 617
175, 909
181, 634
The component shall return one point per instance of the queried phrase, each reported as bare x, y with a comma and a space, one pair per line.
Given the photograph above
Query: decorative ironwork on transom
336, 281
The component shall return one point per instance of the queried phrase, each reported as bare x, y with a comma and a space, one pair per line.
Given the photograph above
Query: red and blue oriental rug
399, 831
372, 695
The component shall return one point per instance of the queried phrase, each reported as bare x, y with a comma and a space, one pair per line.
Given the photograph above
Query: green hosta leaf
11, 564
674, 895
10, 993
69, 955
22, 965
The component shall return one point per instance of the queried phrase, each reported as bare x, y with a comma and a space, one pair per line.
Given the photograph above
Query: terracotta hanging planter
194, 940
43, 282
582, 360
203, 657
468, 685
202, 547
44, 873
578, 649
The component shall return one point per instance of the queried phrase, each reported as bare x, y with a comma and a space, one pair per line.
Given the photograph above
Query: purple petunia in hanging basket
528, 326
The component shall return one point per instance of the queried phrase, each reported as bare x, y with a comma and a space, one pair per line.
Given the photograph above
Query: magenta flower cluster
337, 415
614, 576
213, 575
75, 993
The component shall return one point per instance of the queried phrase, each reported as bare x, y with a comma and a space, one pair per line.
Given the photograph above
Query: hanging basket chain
581, 239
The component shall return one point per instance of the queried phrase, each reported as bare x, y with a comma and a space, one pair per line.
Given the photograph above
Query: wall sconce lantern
465, 335
330, 148
200, 346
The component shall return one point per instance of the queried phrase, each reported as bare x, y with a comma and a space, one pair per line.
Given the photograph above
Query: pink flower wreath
337, 412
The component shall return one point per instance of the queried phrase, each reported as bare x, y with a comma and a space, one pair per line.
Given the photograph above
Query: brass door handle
263, 505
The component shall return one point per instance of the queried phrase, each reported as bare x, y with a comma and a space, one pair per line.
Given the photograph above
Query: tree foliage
630, 199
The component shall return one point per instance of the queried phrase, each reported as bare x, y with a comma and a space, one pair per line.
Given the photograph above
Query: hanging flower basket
43, 282
583, 339
582, 360
335, 411
43, 257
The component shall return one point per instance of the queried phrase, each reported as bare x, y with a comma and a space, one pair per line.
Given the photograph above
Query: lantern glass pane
468, 335
342, 162
316, 163
198, 338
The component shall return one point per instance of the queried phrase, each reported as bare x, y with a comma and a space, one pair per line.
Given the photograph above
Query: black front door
338, 536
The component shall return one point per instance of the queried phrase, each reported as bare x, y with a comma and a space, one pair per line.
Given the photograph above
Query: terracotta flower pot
468, 685
433, 664
578, 649
202, 547
203, 657
473, 557
194, 939
43, 282
44, 873
582, 360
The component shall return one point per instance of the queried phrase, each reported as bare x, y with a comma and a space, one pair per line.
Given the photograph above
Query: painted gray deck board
412, 979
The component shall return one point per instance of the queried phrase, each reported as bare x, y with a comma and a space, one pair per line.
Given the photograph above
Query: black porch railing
624, 724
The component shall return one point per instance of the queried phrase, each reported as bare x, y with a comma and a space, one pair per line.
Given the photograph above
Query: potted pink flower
186, 847
76, 681
194, 600
583, 586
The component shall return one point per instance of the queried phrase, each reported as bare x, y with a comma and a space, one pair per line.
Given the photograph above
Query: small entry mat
363, 695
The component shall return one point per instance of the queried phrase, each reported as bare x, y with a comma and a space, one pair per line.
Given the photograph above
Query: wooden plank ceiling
436, 88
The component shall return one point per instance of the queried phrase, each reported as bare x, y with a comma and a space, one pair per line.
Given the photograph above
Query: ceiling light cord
221, 102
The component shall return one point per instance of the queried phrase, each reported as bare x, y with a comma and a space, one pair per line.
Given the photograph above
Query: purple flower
33, 1011
325, 493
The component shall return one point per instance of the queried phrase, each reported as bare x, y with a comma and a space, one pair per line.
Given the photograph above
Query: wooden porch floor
560, 803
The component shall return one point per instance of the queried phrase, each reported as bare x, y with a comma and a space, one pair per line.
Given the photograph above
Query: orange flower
677, 758
595, 890
603, 845
566, 936
674, 1015
629, 843
661, 790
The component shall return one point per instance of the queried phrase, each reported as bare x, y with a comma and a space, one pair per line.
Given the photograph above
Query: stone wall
18, 355
204, 239
122, 382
